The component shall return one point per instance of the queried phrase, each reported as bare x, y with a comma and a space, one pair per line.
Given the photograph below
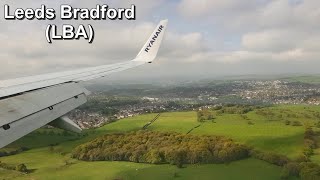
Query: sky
204, 39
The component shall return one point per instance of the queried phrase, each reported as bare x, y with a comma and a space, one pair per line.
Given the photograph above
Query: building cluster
282, 92
87, 120
193, 98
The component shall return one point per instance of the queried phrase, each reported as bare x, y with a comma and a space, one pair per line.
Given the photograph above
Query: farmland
49, 149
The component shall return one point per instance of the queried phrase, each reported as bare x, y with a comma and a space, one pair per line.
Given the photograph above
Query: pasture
49, 154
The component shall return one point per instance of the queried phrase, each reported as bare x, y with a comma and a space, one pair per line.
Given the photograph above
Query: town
118, 103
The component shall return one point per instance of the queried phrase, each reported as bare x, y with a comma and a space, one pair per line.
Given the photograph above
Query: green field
311, 79
268, 133
51, 166
264, 134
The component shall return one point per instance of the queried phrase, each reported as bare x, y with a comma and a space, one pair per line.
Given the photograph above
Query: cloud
26, 48
203, 36
285, 14
271, 40
267, 30
191, 8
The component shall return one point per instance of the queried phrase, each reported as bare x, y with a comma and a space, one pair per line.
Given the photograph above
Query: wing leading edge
31, 102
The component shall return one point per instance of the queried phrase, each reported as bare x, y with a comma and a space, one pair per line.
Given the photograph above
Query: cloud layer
205, 38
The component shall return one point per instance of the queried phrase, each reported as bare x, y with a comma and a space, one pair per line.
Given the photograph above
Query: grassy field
311, 79
264, 134
47, 165
267, 133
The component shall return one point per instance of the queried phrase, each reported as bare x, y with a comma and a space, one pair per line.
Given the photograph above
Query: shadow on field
34, 141
31, 170
290, 146
242, 169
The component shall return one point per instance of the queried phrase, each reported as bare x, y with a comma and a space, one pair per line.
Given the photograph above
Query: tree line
19, 167
175, 148
160, 148
204, 114
12, 151
299, 167
235, 109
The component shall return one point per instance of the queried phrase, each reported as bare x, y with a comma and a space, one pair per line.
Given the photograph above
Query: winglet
149, 51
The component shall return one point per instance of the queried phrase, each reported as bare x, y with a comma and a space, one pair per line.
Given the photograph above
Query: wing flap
34, 121
67, 124
18, 107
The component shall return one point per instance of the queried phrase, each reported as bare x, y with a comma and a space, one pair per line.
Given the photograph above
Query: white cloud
277, 30
191, 8
272, 40
201, 34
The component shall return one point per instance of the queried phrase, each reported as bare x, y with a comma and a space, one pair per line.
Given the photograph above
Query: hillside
49, 149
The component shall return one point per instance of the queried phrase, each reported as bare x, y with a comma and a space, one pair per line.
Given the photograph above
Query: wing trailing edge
67, 124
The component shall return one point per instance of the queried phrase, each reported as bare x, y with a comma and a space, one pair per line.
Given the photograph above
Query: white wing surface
29, 103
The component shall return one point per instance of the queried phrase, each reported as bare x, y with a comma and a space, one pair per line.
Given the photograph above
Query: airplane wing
29, 103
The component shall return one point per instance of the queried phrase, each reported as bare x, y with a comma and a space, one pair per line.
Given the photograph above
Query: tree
285, 174
307, 151
309, 171
21, 168
210, 117
179, 157
287, 122
292, 168
302, 158
202, 119
51, 148
296, 123
308, 134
